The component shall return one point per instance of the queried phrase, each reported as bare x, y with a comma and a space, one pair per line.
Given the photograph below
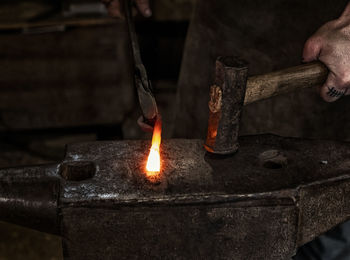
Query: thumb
312, 49
330, 91
143, 6
346, 12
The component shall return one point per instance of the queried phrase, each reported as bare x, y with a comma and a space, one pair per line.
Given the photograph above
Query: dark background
65, 77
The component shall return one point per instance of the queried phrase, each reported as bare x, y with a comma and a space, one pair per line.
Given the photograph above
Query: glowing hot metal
153, 161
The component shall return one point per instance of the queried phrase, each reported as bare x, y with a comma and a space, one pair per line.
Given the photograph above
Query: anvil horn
29, 197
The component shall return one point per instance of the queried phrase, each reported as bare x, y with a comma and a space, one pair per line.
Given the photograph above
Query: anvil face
118, 172
203, 206
120, 175
272, 196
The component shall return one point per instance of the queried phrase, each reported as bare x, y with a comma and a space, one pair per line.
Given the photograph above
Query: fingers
330, 45
113, 7
145, 127
334, 87
143, 6
332, 90
312, 49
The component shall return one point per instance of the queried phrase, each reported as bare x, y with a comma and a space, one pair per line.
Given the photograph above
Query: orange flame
153, 161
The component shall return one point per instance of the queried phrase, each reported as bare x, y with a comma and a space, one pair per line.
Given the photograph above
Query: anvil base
274, 195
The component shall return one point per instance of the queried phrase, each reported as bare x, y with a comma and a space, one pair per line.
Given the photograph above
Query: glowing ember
153, 161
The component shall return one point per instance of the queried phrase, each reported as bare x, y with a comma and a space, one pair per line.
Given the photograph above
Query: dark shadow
333, 245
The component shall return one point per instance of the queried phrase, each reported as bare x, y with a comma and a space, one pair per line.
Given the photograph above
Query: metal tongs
143, 85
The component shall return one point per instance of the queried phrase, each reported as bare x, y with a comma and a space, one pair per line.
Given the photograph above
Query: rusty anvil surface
235, 207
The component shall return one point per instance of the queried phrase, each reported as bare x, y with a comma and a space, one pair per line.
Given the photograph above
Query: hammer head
225, 105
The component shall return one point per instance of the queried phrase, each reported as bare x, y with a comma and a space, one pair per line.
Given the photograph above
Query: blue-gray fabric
334, 245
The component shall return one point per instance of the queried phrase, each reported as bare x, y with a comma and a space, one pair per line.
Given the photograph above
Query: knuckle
343, 81
309, 43
312, 43
312, 48
341, 78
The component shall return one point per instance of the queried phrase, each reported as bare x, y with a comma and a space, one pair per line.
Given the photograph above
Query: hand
114, 7
331, 45
144, 127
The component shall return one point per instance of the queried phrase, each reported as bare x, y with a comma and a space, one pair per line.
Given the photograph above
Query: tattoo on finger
332, 92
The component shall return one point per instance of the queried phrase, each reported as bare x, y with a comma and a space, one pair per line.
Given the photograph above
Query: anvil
273, 196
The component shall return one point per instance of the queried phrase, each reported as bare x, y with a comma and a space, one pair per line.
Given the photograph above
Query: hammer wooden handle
283, 81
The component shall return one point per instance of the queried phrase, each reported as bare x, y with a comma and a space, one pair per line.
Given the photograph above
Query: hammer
233, 89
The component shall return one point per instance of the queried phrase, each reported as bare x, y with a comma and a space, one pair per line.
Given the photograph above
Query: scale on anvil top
263, 201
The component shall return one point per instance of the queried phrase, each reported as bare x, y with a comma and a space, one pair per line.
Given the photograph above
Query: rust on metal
215, 99
225, 105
